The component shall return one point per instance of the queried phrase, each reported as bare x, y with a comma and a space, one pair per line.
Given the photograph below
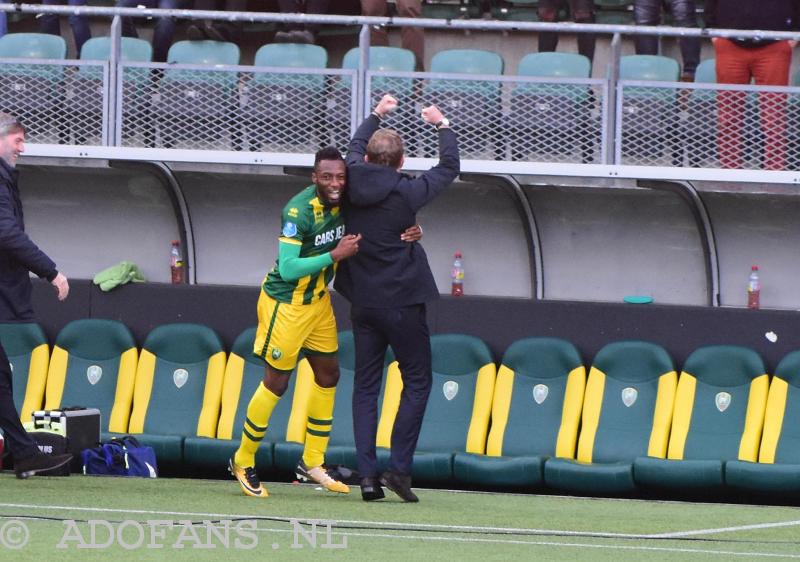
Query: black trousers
17, 440
582, 12
405, 329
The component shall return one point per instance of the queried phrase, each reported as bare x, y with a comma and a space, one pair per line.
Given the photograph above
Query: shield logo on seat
94, 373
179, 377
629, 396
540, 392
450, 389
723, 400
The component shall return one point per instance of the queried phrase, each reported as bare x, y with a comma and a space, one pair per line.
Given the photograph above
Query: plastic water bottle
176, 266
457, 276
754, 289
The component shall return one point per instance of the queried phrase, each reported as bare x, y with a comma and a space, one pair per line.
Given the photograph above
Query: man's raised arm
358, 145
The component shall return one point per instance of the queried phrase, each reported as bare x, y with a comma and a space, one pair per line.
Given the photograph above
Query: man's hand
347, 247
432, 115
412, 234
62, 286
387, 104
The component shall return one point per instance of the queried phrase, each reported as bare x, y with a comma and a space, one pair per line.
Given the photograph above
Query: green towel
123, 272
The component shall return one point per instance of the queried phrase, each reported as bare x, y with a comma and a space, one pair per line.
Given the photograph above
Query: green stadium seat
473, 104
614, 12
93, 365
269, 113
451, 10
457, 415
178, 389
627, 412
517, 10
243, 373
548, 115
536, 410
649, 114
198, 105
29, 354
31, 88
718, 417
382, 59
777, 472
131, 49
701, 126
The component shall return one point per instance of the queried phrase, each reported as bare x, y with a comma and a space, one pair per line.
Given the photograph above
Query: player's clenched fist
387, 104
431, 114
347, 246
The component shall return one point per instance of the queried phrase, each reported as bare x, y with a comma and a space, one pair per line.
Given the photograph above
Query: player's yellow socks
255, 425
320, 419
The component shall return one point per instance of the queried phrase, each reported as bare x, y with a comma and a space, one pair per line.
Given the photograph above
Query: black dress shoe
39, 462
400, 484
371, 490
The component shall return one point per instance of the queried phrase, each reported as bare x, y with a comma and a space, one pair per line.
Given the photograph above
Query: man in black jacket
388, 283
18, 256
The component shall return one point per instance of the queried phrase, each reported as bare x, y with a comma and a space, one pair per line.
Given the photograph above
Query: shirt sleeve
293, 226
292, 267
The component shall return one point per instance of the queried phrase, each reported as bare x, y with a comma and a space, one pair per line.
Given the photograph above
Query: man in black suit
18, 256
388, 283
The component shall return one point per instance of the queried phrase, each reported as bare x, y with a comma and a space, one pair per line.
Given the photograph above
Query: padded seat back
719, 405
537, 399
627, 409
291, 55
179, 382
780, 442
29, 355
244, 371
457, 414
94, 365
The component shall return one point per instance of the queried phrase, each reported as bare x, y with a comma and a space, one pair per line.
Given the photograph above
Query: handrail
465, 24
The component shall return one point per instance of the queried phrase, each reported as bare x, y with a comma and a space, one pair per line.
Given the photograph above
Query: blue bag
122, 456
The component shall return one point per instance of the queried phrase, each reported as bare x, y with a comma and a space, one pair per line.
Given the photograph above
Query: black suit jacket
380, 203
18, 253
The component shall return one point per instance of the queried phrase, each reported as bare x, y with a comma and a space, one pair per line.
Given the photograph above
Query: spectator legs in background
216, 30
648, 12
582, 12
164, 29
769, 65
413, 38
49, 23
3, 23
295, 33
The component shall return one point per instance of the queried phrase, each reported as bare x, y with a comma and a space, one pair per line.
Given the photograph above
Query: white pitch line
421, 526
678, 534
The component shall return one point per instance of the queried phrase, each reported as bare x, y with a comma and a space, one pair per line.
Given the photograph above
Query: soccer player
295, 314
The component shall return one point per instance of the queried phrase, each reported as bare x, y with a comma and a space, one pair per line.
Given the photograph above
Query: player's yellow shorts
284, 329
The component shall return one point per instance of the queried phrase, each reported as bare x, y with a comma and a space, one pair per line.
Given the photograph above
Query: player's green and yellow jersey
316, 229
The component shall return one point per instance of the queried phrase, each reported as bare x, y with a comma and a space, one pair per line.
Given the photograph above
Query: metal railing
513, 124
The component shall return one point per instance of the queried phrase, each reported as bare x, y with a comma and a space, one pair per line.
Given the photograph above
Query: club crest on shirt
629, 396
93, 374
179, 377
723, 400
289, 230
450, 389
540, 392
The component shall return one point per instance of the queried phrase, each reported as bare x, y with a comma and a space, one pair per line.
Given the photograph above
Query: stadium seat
718, 417
198, 105
457, 415
614, 12
178, 389
448, 10
536, 410
381, 59
649, 114
551, 117
777, 472
93, 365
33, 90
517, 10
626, 414
473, 104
243, 373
83, 87
29, 354
269, 113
